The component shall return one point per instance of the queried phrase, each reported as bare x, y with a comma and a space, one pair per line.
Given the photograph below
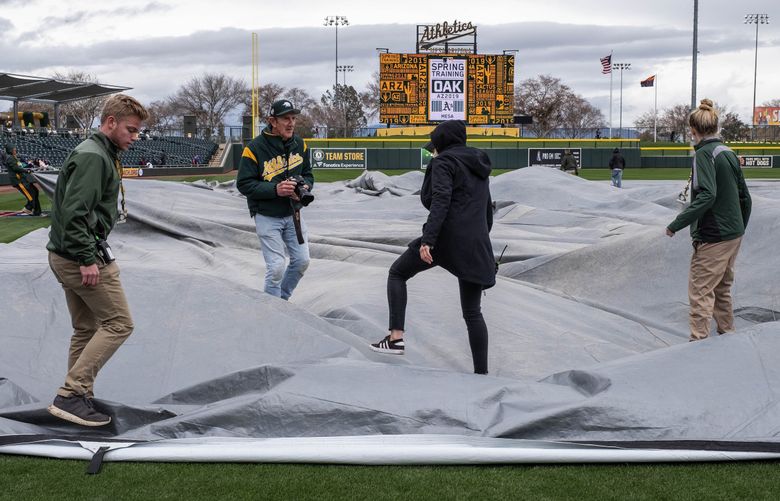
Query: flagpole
610, 95
655, 110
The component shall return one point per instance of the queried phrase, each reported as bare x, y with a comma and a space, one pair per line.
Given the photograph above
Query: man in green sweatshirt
718, 215
84, 211
267, 164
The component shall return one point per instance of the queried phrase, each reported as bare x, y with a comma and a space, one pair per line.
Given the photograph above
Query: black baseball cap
283, 107
429, 146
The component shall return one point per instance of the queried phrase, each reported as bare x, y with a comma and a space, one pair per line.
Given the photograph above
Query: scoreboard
420, 89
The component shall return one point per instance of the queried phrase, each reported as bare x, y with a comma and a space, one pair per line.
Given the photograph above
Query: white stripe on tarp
380, 449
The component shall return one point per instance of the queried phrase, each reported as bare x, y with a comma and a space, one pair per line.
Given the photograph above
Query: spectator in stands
22, 180
84, 211
569, 163
163, 158
617, 163
267, 164
717, 215
456, 236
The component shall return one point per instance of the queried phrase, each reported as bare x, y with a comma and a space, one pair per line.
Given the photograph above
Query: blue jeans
617, 177
277, 238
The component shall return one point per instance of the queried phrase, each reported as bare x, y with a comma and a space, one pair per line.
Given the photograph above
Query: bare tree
209, 97
545, 99
308, 106
85, 110
341, 111
775, 103
580, 117
266, 95
163, 115
370, 98
732, 128
301, 99
675, 119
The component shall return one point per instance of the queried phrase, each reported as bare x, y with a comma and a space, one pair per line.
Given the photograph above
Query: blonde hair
704, 119
120, 106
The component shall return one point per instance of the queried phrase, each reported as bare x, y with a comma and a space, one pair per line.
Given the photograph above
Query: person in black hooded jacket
456, 236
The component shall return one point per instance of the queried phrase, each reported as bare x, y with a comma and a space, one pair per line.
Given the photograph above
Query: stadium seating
179, 151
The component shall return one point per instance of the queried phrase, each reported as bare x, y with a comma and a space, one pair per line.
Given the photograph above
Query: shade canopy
52, 90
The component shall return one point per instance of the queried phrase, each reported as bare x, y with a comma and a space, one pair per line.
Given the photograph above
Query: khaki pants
100, 318
709, 287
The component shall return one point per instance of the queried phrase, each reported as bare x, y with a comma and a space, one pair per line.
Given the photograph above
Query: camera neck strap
123, 214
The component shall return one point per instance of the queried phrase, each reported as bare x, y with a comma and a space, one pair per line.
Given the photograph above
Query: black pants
30, 193
409, 265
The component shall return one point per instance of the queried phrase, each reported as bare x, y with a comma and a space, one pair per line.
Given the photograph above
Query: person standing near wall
616, 164
569, 163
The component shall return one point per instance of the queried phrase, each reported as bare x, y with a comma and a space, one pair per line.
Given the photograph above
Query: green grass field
34, 478
23, 478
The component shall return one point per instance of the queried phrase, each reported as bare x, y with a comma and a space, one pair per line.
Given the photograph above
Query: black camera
303, 193
104, 251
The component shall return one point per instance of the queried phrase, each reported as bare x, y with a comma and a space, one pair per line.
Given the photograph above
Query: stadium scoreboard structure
447, 83
420, 89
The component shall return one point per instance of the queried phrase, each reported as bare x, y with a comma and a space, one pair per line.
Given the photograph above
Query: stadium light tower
621, 67
345, 69
755, 19
336, 21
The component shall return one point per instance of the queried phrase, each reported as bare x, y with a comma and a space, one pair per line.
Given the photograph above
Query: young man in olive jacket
84, 211
264, 177
718, 216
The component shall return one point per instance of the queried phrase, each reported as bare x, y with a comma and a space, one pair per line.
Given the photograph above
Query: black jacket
617, 161
456, 191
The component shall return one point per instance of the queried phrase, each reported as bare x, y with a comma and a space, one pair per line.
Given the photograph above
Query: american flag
606, 64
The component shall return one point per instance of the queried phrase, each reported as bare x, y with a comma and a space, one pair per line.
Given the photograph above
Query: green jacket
568, 162
16, 172
264, 165
720, 201
85, 198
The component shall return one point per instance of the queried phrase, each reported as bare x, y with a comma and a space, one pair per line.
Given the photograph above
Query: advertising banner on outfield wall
766, 115
755, 161
338, 158
132, 172
551, 157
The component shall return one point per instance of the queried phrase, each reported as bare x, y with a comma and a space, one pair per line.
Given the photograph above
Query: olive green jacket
16, 172
720, 201
85, 199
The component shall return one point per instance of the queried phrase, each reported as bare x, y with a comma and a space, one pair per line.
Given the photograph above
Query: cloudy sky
155, 46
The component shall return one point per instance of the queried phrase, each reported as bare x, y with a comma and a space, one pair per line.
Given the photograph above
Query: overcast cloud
155, 47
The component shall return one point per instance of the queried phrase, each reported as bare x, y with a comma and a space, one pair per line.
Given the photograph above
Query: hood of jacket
448, 134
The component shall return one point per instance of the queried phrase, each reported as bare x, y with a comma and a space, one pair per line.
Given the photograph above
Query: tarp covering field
588, 334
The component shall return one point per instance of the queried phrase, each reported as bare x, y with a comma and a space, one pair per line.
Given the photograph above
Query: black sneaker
389, 347
78, 409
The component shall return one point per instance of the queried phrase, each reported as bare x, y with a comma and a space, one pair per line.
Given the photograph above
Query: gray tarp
588, 323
